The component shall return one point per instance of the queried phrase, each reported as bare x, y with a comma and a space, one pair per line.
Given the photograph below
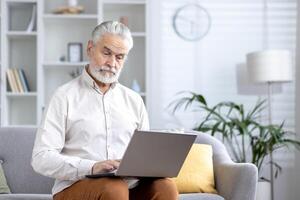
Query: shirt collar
90, 81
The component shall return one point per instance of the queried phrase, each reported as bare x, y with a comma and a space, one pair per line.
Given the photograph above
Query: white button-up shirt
82, 126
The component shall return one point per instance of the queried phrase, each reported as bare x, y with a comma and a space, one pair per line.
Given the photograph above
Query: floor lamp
268, 67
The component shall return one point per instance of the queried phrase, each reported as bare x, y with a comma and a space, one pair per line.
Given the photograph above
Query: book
9, 81
24, 80
32, 23
18, 81
13, 82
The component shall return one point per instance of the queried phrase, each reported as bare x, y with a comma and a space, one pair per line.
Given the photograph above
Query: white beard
105, 74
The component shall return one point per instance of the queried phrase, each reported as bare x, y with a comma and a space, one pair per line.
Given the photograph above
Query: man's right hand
105, 166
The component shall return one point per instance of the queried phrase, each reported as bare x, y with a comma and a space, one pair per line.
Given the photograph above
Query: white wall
171, 71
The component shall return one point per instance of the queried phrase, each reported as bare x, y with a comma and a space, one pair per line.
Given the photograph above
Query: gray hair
112, 27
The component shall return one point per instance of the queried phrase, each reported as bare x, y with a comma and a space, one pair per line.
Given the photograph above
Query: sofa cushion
15, 149
196, 174
25, 197
4, 189
200, 196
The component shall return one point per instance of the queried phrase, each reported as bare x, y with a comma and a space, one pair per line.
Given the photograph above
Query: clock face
191, 22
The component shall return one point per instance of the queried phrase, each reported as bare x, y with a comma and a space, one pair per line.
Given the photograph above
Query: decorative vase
135, 86
72, 3
124, 20
263, 191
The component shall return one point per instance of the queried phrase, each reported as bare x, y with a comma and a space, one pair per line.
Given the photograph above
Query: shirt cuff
85, 167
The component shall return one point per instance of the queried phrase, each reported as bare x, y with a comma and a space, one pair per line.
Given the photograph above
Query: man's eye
120, 57
106, 53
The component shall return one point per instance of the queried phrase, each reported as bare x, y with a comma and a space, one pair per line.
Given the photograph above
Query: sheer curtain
214, 66
296, 176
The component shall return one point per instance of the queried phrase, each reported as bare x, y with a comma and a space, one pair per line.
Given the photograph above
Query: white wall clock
191, 22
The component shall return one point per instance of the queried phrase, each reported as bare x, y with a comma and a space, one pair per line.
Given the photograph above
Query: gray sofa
233, 181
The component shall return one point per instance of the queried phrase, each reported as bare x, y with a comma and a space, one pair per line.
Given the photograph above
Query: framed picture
74, 52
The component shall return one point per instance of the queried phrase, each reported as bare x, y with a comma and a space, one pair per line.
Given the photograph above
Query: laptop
153, 154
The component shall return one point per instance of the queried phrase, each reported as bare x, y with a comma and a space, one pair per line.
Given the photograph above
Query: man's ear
89, 47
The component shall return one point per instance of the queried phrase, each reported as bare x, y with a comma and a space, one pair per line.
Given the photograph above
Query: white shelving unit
18, 50
39, 52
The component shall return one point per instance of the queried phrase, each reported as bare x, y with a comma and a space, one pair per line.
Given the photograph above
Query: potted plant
246, 138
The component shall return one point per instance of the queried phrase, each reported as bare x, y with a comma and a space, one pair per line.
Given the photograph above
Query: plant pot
263, 190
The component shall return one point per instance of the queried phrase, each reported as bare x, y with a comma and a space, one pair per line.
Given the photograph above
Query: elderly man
88, 125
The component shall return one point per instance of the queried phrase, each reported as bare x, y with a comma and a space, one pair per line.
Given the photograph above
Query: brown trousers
117, 189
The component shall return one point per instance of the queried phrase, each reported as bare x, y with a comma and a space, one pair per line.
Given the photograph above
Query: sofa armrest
236, 181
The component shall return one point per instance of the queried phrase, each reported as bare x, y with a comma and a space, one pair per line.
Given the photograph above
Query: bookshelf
42, 52
18, 50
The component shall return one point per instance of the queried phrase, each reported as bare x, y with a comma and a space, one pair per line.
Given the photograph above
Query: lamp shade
269, 66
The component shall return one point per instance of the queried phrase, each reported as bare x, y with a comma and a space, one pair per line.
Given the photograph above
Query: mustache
105, 68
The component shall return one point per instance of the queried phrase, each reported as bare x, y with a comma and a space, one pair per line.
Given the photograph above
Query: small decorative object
191, 22
135, 86
62, 58
69, 10
75, 73
32, 24
74, 52
72, 3
124, 20
72, 8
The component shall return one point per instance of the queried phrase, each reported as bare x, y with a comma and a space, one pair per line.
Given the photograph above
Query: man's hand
105, 166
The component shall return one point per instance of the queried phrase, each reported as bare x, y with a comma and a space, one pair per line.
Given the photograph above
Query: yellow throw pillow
196, 174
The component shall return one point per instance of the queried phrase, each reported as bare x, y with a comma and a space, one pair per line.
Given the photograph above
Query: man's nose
111, 61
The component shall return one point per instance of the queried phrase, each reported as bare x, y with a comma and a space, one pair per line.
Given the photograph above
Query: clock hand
188, 20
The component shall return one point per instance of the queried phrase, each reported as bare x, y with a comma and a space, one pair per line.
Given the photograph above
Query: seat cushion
25, 197
196, 174
15, 150
200, 196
